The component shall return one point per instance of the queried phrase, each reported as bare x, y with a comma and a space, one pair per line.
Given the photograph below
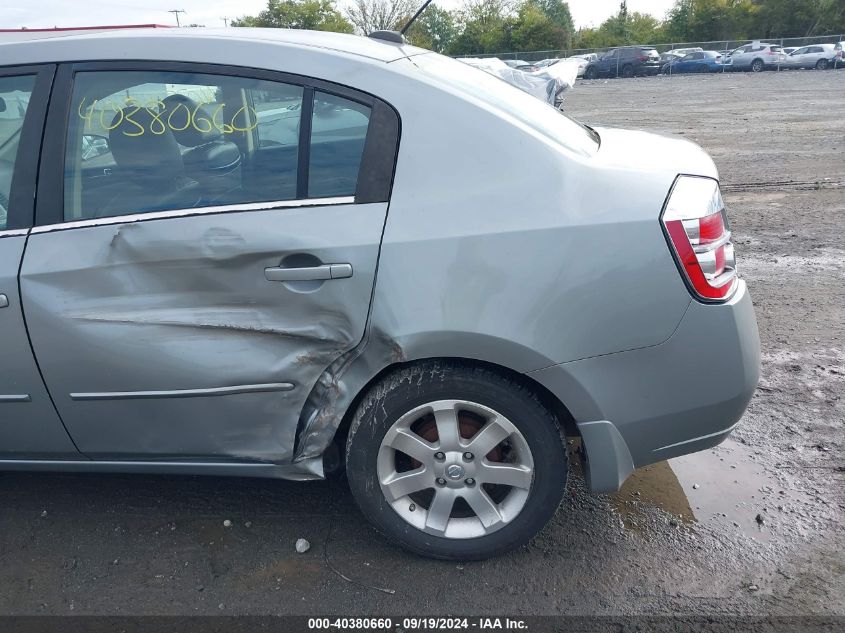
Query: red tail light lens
698, 232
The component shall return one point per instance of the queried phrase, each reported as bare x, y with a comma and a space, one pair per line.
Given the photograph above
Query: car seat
150, 172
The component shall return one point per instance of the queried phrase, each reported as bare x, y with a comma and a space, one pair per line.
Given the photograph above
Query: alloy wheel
455, 469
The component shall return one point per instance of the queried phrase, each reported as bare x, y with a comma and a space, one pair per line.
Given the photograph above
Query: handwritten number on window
180, 118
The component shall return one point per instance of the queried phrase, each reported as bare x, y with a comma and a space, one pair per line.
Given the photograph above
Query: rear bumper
686, 394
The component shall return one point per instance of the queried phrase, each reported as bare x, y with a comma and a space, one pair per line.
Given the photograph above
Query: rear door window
149, 141
338, 131
15, 93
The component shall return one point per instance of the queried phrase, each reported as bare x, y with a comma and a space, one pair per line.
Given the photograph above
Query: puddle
725, 488
729, 489
653, 485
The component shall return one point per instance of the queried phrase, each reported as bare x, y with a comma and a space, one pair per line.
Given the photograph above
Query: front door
30, 428
212, 253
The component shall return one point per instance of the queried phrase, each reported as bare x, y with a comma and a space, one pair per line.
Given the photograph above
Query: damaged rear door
205, 250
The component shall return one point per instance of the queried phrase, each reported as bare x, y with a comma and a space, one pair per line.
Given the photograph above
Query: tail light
698, 232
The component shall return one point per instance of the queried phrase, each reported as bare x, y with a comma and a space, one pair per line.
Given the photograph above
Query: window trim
303, 152
21, 211
375, 175
193, 211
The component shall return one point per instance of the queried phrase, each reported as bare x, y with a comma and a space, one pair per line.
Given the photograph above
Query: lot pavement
754, 526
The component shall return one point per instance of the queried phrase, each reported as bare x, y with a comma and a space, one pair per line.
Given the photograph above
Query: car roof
62, 46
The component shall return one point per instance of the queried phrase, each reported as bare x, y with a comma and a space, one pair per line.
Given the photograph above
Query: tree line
493, 26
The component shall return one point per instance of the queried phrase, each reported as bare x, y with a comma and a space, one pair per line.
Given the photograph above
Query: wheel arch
335, 397
544, 395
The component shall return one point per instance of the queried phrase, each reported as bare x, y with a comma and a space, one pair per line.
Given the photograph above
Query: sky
66, 13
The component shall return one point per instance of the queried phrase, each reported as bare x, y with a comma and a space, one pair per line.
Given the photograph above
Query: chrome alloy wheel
455, 469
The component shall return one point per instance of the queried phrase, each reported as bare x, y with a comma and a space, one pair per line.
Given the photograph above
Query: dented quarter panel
182, 304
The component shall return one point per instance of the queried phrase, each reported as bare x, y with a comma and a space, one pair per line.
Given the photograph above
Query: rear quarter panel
499, 239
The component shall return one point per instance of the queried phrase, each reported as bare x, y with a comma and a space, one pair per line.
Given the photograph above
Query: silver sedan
276, 253
820, 56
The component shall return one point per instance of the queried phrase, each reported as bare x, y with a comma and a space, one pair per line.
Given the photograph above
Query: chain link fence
723, 47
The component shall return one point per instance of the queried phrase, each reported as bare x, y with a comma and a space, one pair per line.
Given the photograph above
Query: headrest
189, 121
140, 143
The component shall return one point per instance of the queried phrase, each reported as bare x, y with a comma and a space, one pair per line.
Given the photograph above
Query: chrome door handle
309, 273
4, 301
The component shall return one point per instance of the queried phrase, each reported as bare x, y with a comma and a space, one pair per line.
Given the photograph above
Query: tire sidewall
537, 426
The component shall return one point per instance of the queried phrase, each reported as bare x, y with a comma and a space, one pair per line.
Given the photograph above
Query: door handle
4, 301
309, 273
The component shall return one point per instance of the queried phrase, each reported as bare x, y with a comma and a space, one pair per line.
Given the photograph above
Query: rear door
699, 62
814, 54
609, 63
185, 295
30, 428
687, 63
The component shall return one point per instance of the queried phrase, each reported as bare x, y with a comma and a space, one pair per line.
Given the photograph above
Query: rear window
523, 107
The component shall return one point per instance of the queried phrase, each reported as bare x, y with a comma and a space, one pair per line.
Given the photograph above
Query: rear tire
757, 66
627, 71
822, 64
590, 73
415, 408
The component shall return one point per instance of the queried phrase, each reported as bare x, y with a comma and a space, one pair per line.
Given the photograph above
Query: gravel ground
753, 527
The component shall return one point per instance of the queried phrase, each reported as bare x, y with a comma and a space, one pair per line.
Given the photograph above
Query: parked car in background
682, 52
820, 56
668, 57
521, 65
626, 61
697, 62
839, 60
545, 63
584, 60
757, 57
789, 49
219, 304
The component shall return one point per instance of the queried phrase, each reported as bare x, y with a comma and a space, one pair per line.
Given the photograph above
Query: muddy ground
754, 526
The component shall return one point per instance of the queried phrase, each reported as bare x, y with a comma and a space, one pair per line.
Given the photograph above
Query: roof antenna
393, 36
416, 15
